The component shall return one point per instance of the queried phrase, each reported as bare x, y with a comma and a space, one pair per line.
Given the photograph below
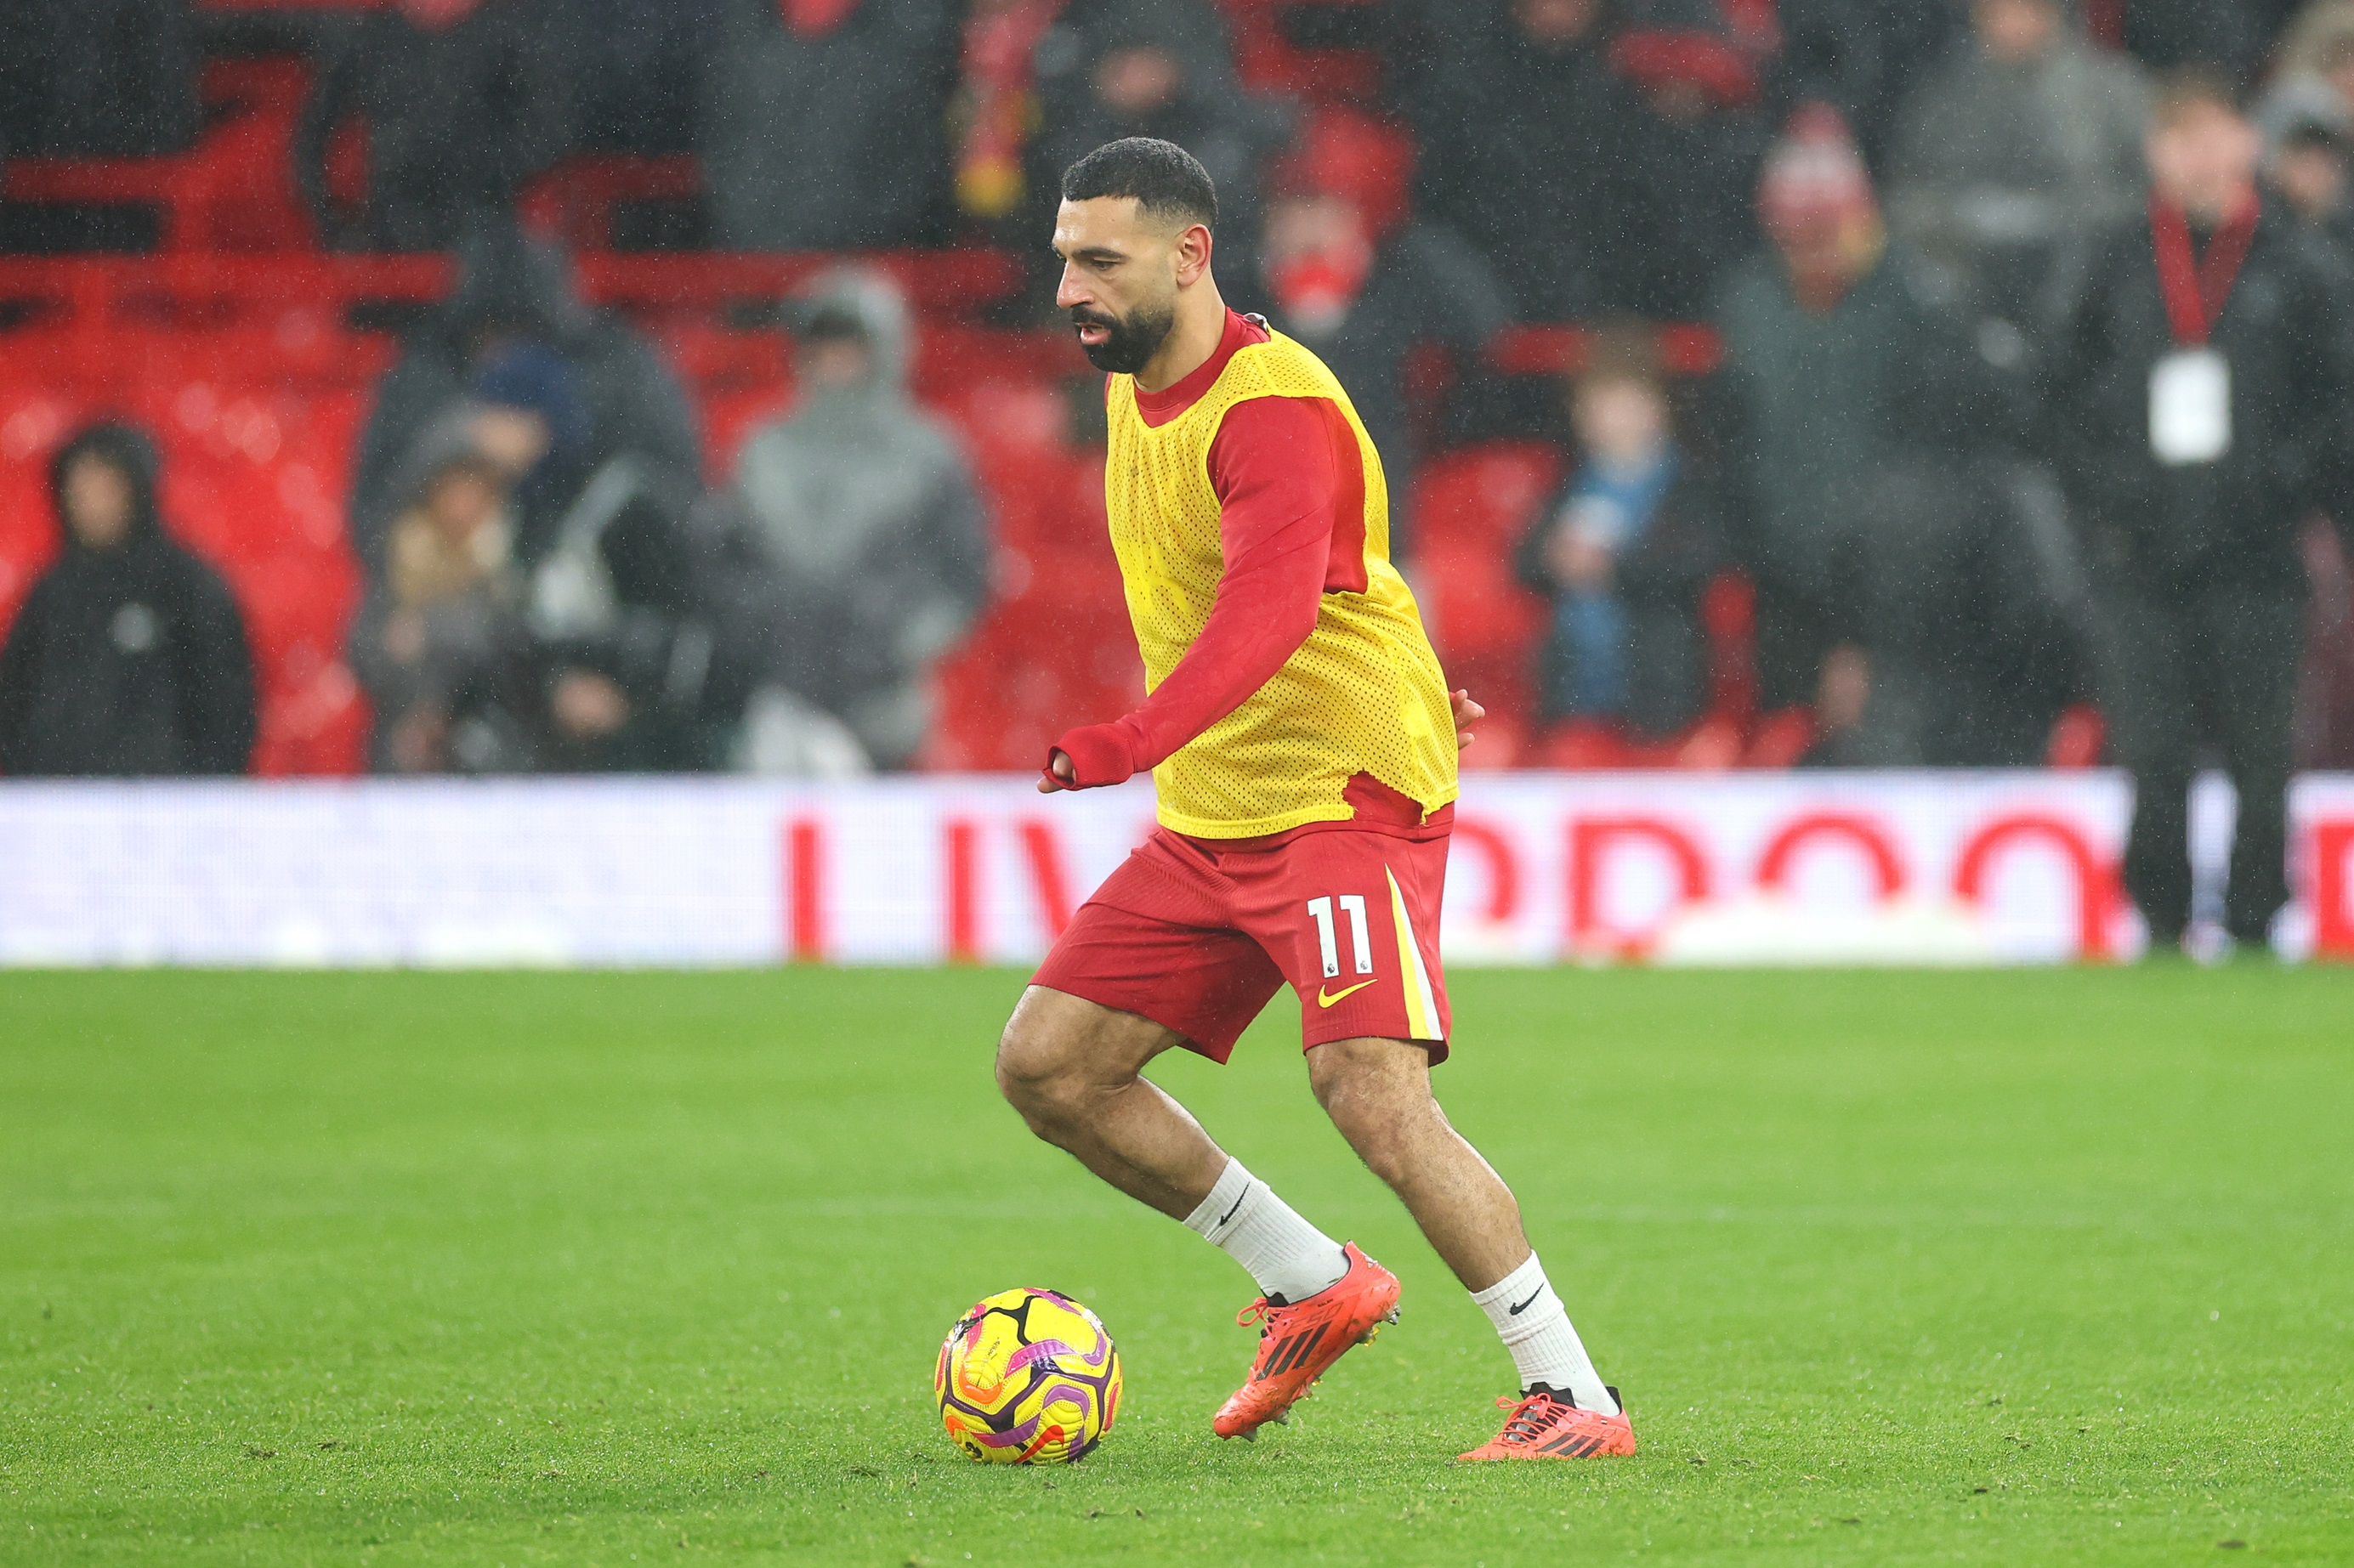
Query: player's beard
1129, 345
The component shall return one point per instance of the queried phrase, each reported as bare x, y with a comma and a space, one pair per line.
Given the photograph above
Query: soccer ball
1027, 1377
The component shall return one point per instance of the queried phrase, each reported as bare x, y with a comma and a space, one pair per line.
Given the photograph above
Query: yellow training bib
1363, 695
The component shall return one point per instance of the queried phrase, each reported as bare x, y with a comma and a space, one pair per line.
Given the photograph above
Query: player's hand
1467, 714
1092, 757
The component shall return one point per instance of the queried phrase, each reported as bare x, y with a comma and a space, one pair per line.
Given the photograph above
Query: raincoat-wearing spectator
864, 523
566, 392
1353, 274
2199, 409
2027, 141
1624, 553
606, 654
1855, 412
1524, 135
822, 126
458, 103
440, 647
129, 656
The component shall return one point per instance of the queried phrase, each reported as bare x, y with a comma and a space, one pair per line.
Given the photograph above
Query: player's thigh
1150, 955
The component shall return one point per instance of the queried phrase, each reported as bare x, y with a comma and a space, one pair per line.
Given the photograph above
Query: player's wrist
1098, 754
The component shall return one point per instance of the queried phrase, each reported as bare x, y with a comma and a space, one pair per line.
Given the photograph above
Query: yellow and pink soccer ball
1027, 1377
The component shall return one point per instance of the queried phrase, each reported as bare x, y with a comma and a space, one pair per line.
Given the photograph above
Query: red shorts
1197, 934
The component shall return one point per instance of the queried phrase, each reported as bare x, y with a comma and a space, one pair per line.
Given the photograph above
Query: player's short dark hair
1166, 180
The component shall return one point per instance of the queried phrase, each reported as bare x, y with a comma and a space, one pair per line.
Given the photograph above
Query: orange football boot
1299, 1342
1545, 1426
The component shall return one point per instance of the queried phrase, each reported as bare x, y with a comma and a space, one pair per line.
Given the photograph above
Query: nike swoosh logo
1322, 1000
1238, 1203
1533, 1296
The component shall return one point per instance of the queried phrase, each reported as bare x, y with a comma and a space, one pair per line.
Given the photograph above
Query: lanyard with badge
2191, 387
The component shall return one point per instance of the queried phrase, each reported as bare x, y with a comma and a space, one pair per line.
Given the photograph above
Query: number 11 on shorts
1327, 936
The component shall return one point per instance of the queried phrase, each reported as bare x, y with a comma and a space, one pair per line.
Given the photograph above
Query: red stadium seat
1055, 648
1266, 59
1471, 507
233, 192
575, 200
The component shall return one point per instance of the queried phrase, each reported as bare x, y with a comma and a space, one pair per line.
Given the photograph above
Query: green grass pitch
403, 1268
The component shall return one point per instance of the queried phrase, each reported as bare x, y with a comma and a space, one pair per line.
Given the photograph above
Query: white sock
1534, 1326
1288, 1257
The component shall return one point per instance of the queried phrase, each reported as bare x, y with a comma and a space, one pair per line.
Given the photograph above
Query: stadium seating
236, 343
247, 371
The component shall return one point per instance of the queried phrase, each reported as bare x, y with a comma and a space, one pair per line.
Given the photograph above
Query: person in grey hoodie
863, 517
2026, 141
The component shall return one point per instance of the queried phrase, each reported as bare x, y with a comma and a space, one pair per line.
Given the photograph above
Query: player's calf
1377, 1093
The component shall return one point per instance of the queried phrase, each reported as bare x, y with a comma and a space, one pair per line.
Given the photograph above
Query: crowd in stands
1759, 382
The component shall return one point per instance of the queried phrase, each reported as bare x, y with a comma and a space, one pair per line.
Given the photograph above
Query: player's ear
1193, 254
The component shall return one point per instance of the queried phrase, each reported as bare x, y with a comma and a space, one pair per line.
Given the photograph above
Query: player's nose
1071, 291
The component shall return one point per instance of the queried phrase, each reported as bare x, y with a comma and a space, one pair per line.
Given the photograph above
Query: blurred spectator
603, 657
1854, 413
560, 392
440, 646
2307, 116
629, 616
995, 112
2309, 169
1624, 553
1349, 272
129, 656
2311, 97
822, 126
872, 539
1524, 133
2313, 47
1693, 139
97, 78
451, 105
2027, 139
1111, 69
2198, 406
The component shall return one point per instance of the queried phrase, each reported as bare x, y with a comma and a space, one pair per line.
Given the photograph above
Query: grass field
2022, 1267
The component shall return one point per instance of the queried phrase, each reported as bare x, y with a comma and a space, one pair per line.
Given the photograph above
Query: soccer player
1302, 744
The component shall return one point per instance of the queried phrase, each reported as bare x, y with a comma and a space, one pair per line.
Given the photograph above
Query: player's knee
1382, 1113
1385, 1142
1035, 1076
